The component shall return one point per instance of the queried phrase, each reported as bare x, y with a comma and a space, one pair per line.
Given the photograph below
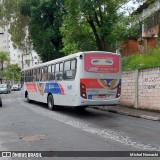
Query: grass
141, 61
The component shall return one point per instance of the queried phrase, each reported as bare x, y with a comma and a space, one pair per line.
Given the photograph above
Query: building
4, 40
149, 32
17, 56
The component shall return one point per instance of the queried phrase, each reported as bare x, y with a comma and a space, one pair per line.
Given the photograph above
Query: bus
79, 80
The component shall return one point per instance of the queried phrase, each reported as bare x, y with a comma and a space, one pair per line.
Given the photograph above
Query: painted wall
141, 90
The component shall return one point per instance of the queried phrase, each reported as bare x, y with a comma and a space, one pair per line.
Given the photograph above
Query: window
70, 69
45, 73
31, 76
26, 75
22, 77
59, 71
51, 72
34, 75
38, 74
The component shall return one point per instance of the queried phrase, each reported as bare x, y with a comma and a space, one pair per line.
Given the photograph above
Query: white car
5, 88
15, 87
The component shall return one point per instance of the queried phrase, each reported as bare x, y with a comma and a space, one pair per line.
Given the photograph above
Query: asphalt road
32, 127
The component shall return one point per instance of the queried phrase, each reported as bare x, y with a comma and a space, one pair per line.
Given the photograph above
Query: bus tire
28, 100
50, 102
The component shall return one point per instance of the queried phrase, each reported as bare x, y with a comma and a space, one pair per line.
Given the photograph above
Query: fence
141, 88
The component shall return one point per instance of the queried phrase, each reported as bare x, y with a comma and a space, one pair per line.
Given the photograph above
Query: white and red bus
78, 80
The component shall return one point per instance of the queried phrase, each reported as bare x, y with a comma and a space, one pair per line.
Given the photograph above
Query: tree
77, 34
99, 20
18, 25
44, 27
12, 72
4, 57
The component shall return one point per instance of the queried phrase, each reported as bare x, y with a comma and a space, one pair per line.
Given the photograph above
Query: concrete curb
137, 116
130, 114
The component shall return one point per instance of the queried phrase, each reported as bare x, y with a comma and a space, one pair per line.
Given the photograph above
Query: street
32, 127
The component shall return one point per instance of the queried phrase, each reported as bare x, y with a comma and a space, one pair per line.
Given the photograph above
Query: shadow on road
87, 113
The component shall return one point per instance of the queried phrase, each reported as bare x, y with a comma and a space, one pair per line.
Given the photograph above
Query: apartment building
149, 31
17, 56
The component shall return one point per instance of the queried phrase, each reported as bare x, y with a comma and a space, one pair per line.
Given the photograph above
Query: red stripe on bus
61, 88
31, 87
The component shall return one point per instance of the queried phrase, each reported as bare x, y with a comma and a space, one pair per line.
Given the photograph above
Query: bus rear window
101, 63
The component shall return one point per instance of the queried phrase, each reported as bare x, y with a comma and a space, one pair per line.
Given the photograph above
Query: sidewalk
139, 113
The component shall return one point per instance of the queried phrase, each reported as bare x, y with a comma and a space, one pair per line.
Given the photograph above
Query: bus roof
67, 57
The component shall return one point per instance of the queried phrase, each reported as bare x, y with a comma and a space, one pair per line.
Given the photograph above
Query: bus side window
73, 67
59, 71
38, 75
25, 76
34, 75
22, 78
32, 78
45, 73
70, 69
29, 74
51, 72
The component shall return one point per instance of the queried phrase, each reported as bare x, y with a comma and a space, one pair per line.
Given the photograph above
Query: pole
136, 88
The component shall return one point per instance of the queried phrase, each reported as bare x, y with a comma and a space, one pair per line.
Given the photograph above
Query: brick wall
148, 89
132, 47
152, 43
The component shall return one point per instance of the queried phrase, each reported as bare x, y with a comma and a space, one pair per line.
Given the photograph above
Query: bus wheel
50, 103
28, 100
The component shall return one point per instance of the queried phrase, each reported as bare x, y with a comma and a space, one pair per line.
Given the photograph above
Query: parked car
16, 87
5, 88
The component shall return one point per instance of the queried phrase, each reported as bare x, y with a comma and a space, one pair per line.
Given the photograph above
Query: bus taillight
118, 91
83, 91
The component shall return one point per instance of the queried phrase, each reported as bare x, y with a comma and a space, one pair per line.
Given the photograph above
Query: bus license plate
98, 97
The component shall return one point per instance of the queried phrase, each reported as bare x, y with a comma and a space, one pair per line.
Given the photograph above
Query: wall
141, 89
132, 46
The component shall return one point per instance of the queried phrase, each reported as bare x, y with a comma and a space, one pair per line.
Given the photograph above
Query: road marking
105, 133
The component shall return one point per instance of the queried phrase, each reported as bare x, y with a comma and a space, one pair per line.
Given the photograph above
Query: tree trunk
99, 41
22, 62
2, 65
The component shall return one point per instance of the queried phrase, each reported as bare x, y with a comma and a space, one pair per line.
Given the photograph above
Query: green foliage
12, 72
4, 57
10, 15
17, 23
140, 61
93, 24
61, 27
44, 27
77, 35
